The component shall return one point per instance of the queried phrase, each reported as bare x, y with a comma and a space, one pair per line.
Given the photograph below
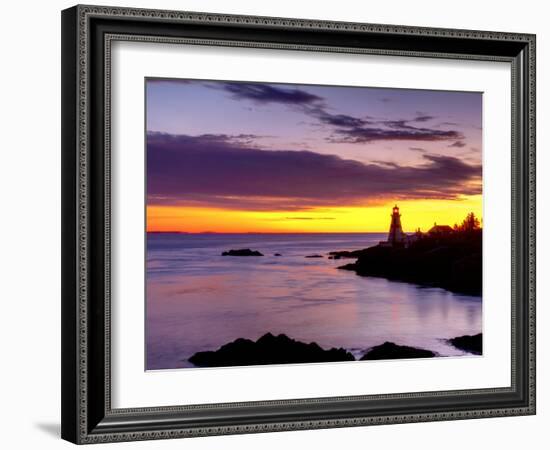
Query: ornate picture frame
88, 33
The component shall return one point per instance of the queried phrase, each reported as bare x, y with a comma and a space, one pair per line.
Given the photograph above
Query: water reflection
198, 300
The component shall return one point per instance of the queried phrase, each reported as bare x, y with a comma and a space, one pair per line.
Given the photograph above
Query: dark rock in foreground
471, 344
389, 350
242, 252
450, 262
277, 254
314, 256
268, 349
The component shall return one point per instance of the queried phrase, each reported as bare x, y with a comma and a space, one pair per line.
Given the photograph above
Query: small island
242, 252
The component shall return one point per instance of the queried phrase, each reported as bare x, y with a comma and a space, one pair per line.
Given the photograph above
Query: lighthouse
396, 237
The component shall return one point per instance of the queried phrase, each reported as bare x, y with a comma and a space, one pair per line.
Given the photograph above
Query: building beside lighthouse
396, 236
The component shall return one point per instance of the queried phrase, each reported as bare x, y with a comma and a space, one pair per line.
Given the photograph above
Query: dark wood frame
87, 32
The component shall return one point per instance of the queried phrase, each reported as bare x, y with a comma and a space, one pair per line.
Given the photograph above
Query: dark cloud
343, 128
267, 93
418, 149
397, 130
357, 130
336, 120
236, 138
422, 118
458, 144
218, 171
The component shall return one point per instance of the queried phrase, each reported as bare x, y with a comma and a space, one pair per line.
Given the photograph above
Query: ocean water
199, 300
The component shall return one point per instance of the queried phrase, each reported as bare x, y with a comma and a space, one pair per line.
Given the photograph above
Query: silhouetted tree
470, 223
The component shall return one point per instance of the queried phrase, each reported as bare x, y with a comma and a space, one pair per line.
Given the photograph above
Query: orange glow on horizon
376, 218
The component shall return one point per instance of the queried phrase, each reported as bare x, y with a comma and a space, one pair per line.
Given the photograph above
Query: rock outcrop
451, 262
242, 252
389, 350
268, 349
471, 344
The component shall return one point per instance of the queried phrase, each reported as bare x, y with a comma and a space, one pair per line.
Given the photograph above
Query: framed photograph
280, 224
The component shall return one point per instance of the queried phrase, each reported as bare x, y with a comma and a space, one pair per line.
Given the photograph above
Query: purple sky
235, 144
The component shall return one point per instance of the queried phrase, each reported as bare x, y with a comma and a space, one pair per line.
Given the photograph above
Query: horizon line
271, 232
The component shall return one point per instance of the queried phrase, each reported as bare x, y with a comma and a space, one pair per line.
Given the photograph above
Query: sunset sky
234, 157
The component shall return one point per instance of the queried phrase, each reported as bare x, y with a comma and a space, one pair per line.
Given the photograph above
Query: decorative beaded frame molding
87, 415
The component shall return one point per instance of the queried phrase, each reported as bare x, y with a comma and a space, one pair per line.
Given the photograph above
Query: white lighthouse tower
396, 237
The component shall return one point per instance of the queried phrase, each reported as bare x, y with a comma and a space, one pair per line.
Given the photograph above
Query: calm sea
199, 300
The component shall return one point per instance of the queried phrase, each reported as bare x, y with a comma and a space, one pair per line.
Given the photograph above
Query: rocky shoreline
268, 349
280, 349
470, 344
452, 262
389, 350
